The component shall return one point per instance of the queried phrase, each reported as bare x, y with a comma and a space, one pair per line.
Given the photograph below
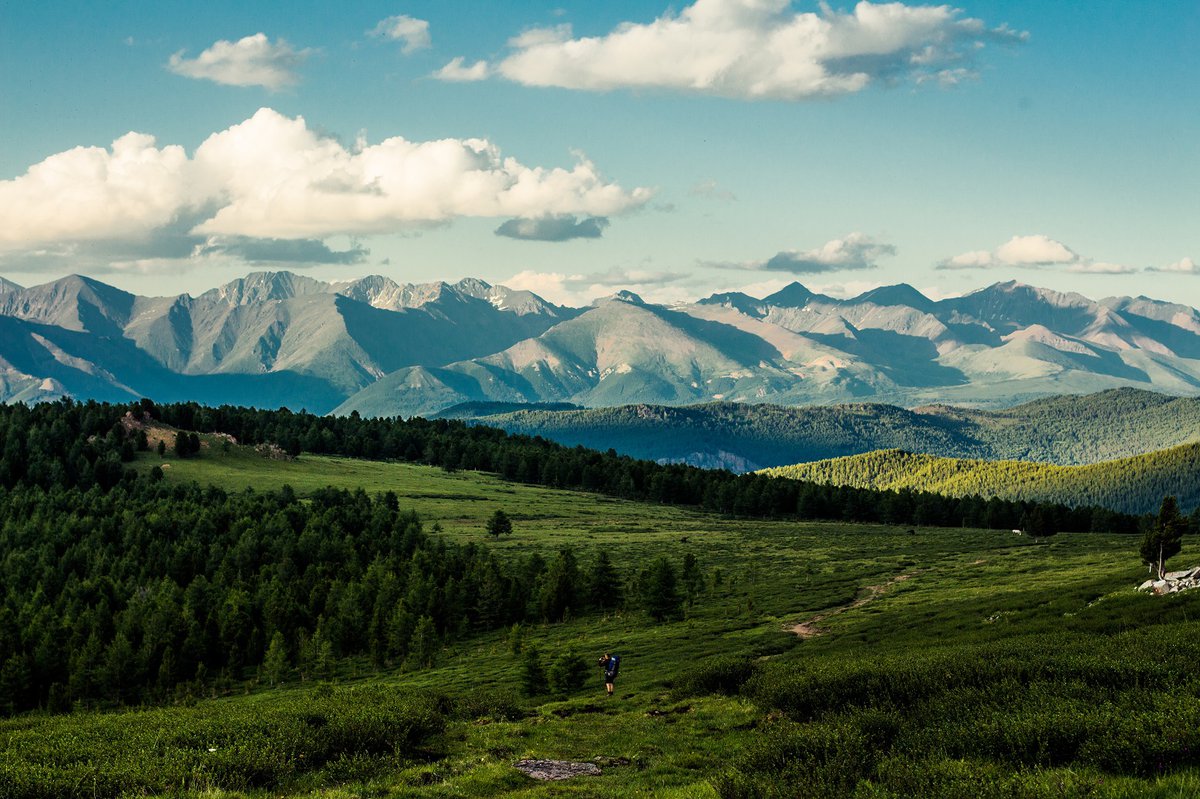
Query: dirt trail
810, 628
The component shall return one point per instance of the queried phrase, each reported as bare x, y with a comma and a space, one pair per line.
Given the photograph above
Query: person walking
611, 664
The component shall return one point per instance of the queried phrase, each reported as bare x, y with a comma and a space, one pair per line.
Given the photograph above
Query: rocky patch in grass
553, 770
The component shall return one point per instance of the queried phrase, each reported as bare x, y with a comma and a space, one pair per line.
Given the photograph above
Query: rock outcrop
1174, 582
556, 769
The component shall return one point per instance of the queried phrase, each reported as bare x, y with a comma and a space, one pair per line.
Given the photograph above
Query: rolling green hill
1131, 485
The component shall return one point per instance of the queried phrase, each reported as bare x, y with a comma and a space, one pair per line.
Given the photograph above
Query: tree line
455, 445
84, 444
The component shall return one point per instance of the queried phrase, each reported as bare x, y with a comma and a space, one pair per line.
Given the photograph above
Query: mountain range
268, 340
382, 348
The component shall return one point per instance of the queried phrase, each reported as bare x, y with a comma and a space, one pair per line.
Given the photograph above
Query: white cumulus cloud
758, 49
855, 251
92, 193
272, 177
251, 61
412, 33
1033, 252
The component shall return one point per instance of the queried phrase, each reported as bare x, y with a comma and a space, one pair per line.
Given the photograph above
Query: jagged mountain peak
265, 286
473, 287
624, 295
374, 290
1015, 290
793, 295
736, 300
76, 283
7, 286
899, 294
74, 302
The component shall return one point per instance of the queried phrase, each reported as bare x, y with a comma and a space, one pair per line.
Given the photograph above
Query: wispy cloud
457, 72
251, 61
854, 252
553, 228
710, 189
579, 289
1036, 251
1185, 266
412, 33
277, 251
760, 49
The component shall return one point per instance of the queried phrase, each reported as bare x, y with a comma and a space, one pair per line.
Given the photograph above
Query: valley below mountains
387, 349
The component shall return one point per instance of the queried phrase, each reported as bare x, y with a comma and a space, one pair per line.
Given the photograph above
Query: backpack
614, 663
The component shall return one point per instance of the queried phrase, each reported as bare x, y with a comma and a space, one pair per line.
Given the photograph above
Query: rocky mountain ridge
379, 347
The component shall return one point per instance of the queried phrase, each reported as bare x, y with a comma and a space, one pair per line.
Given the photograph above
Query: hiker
610, 664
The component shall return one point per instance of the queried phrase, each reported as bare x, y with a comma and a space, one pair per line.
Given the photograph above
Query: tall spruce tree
1164, 538
275, 663
499, 524
660, 595
533, 674
604, 584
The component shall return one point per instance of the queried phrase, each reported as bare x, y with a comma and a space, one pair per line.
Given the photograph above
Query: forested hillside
1066, 430
1131, 485
86, 445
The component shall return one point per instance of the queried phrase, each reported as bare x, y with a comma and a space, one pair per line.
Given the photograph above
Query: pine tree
567, 673
516, 638
1036, 523
533, 675
423, 647
660, 596
1164, 539
693, 580
558, 589
604, 584
275, 663
499, 524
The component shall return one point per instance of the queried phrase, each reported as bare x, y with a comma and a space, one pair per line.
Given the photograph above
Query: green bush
567, 673
801, 760
491, 703
1017, 718
718, 675
214, 746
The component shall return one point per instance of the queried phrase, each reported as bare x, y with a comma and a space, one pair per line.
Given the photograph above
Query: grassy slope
963, 586
1134, 485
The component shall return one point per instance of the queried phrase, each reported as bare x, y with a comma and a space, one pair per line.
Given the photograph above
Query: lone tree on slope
1164, 538
499, 524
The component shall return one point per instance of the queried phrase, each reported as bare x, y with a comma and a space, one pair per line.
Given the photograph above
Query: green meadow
819, 659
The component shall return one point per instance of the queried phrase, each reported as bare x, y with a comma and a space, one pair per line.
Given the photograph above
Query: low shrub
717, 675
232, 746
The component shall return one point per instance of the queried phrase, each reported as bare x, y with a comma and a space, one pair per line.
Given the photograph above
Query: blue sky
672, 150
